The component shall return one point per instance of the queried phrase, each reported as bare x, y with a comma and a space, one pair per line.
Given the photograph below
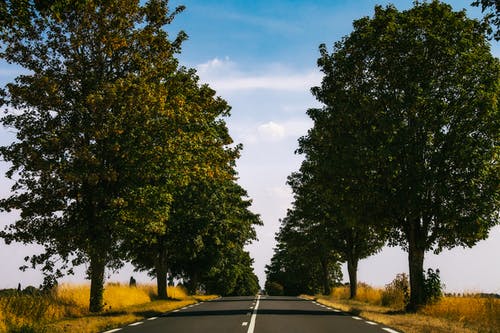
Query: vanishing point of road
260, 314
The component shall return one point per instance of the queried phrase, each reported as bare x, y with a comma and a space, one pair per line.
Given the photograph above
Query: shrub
397, 293
433, 288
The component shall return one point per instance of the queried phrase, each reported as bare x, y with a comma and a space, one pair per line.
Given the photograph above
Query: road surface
261, 314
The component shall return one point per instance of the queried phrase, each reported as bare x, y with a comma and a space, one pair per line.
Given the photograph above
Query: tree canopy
109, 127
420, 87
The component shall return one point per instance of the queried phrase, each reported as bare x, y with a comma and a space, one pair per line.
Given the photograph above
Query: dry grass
450, 314
479, 313
66, 309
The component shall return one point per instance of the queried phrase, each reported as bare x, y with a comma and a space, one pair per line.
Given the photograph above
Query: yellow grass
68, 306
365, 294
475, 312
450, 314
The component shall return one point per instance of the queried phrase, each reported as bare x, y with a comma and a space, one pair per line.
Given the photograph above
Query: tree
303, 260
335, 217
492, 7
427, 84
106, 128
208, 225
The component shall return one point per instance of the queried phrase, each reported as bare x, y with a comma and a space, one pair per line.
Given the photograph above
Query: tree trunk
96, 270
416, 255
326, 278
352, 268
161, 275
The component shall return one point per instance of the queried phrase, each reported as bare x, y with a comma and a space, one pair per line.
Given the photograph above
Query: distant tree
492, 16
334, 191
425, 87
208, 225
303, 261
107, 128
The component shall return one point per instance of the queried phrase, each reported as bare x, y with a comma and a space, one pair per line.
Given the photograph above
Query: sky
261, 57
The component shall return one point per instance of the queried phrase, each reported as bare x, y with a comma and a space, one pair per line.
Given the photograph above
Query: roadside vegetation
65, 308
120, 153
462, 313
403, 151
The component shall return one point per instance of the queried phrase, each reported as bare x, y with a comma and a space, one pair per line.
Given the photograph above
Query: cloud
225, 76
273, 132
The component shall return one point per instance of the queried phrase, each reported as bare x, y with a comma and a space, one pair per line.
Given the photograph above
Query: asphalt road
261, 314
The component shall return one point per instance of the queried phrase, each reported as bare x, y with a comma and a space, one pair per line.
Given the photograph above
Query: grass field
66, 308
450, 314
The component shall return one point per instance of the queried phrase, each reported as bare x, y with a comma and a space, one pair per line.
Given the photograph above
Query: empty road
261, 314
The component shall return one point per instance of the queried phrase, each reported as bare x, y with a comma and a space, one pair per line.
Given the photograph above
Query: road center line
251, 327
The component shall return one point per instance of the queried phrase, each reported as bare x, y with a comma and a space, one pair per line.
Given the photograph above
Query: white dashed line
390, 330
357, 318
245, 323
251, 327
114, 330
152, 318
370, 322
336, 310
176, 310
136, 324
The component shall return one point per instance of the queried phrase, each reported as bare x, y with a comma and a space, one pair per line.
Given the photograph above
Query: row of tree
121, 155
404, 151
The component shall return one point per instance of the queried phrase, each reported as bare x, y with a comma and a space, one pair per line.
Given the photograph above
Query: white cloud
271, 131
225, 76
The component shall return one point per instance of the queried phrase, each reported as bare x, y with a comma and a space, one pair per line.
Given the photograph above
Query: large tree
428, 85
106, 128
491, 9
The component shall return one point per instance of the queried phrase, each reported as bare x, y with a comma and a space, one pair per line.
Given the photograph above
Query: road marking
370, 322
111, 331
357, 318
245, 323
176, 310
152, 318
390, 330
249, 313
251, 327
136, 324
336, 310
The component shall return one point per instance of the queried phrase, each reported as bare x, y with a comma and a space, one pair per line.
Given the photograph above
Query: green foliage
274, 288
491, 8
110, 129
302, 263
418, 92
397, 293
433, 288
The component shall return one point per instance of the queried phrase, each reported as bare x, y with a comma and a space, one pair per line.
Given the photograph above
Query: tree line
121, 155
403, 152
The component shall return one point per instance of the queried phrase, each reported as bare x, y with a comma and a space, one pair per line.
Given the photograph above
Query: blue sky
261, 57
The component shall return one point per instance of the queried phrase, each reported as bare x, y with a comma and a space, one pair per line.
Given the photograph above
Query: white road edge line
137, 323
152, 318
114, 330
390, 330
251, 327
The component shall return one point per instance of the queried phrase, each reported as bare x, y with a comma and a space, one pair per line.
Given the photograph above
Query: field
461, 314
66, 308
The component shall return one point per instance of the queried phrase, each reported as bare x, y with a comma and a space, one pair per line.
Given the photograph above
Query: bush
274, 289
397, 293
433, 288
